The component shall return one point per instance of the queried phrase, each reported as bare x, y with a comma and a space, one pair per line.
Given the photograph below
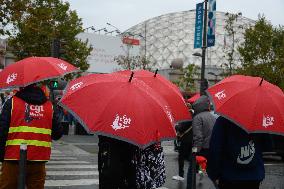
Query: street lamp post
216, 76
145, 47
116, 29
113, 27
204, 46
91, 27
99, 30
110, 32
197, 54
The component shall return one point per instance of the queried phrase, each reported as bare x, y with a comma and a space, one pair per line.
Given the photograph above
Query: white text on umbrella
76, 86
62, 66
12, 77
267, 121
220, 95
169, 113
120, 122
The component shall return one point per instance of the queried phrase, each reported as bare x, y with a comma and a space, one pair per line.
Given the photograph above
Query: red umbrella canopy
111, 105
32, 70
166, 89
251, 102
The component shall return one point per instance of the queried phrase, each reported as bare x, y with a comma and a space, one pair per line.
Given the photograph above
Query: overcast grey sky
126, 13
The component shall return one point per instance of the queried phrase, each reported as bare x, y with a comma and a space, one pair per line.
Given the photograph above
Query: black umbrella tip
131, 76
156, 73
261, 82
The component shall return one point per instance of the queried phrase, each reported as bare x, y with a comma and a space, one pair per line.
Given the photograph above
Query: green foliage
7, 9
133, 62
37, 22
230, 51
186, 82
263, 52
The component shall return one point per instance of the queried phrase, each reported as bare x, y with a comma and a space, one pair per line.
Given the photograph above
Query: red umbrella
32, 70
166, 89
251, 102
119, 107
192, 99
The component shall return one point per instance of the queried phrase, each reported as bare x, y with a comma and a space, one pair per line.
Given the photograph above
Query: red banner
130, 41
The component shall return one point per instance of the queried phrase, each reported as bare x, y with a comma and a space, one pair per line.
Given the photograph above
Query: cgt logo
62, 66
76, 86
267, 121
120, 122
220, 95
11, 77
33, 112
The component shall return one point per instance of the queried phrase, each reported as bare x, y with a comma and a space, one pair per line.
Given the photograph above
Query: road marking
63, 158
72, 166
169, 150
78, 182
67, 162
58, 155
273, 164
69, 173
55, 152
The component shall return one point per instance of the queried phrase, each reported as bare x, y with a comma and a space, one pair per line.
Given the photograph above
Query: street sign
198, 26
130, 41
211, 23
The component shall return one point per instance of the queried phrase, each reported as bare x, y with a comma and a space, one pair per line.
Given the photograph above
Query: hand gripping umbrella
251, 102
119, 107
32, 70
166, 89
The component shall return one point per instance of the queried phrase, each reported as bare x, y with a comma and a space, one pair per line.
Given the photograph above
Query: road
73, 165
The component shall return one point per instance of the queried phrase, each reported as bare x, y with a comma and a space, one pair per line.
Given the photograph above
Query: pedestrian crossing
65, 171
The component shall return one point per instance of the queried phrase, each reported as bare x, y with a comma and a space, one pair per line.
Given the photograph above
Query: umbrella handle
156, 73
261, 82
158, 136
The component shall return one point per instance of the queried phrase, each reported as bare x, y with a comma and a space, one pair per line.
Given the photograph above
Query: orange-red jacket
30, 124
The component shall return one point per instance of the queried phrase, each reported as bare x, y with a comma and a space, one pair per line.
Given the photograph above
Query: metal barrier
22, 166
193, 168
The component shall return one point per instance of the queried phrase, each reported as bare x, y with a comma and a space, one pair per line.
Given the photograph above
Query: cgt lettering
36, 108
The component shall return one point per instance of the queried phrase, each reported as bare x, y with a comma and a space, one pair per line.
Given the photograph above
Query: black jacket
31, 95
184, 130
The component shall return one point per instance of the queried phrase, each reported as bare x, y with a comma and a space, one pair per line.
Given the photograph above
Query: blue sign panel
198, 26
211, 23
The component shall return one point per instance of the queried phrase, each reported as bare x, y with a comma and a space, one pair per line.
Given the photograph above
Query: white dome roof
171, 36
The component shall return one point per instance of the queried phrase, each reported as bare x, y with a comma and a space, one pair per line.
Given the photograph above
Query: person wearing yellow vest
28, 117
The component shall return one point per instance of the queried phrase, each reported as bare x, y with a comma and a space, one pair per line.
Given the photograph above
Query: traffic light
53, 85
55, 48
63, 49
58, 48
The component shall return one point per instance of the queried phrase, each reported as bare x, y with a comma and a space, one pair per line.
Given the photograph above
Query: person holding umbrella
250, 109
128, 115
27, 117
116, 171
202, 125
235, 157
